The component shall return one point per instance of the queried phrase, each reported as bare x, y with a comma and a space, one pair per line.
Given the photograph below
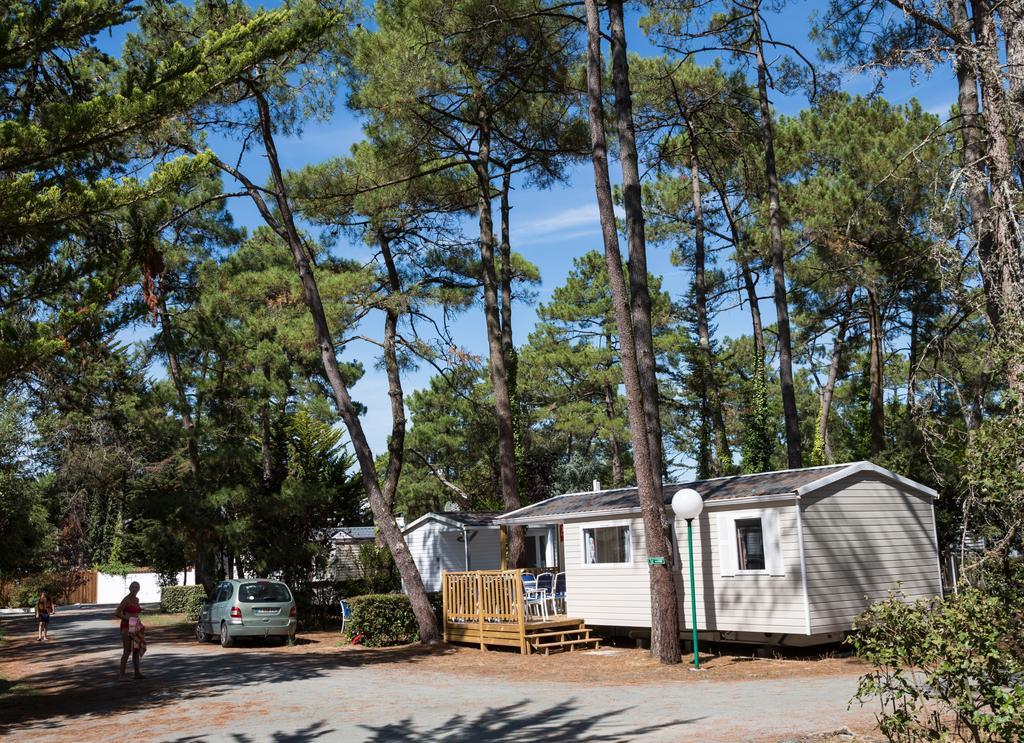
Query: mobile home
787, 557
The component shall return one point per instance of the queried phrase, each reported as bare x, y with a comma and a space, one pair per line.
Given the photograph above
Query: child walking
44, 608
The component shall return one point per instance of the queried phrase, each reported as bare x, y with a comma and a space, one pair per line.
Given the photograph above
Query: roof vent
597, 486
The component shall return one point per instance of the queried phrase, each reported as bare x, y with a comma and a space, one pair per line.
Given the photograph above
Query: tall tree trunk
499, 371
1012, 14
515, 533
664, 609
877, 401
828, 390
613, 443
749, 280
382, 515
177, 378
396, 443
505, 257
639, 292
712, 394
912, 356
789, 410
204, 575
972, 133
266, 442
1006, 271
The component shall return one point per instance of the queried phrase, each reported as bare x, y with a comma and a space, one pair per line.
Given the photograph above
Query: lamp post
687, 504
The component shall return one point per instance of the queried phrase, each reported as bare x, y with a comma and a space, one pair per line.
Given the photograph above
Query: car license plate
266, 611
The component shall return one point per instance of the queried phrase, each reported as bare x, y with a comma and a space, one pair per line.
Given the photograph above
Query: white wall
864, 537
110, 589
618, 595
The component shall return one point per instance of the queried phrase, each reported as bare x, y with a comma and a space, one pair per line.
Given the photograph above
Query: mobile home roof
720, 490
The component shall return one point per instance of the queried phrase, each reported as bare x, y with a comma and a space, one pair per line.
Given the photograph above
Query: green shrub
58, 584
384, 619
187, 600
378, 568
947, 670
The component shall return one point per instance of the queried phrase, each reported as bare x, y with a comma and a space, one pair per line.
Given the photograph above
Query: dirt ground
609, 665
72, 677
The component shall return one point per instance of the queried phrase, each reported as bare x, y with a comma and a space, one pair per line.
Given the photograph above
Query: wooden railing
484, 606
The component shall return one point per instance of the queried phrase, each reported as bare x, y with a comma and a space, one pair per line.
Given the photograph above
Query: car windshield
251, 593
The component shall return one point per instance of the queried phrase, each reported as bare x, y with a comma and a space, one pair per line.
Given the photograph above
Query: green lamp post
687, 504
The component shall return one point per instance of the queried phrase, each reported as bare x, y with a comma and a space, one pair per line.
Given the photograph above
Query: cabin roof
352, 533
457, 519
719, 490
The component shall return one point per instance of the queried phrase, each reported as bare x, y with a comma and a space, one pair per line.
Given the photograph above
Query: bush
58, 584
187, 600
377, 568
384, 619
946, 670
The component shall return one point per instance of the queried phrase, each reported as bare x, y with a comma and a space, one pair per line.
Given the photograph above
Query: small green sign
655, 560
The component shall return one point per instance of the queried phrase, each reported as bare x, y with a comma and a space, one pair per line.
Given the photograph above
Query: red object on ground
358, 639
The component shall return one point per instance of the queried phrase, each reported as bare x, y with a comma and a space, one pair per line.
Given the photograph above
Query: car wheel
201, 634
226, 640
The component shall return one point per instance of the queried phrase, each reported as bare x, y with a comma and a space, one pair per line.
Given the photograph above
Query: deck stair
576, 635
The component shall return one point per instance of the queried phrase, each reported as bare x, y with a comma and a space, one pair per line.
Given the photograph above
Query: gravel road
205, 693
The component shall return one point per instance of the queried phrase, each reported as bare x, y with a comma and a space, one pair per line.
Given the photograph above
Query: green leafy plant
948, 670
378, 568
383, 619
116, 567
187, 600
58, 584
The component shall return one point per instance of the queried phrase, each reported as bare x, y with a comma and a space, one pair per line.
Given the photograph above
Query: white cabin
458, 540
780, 557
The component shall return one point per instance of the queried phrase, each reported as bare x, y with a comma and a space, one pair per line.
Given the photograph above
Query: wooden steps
570, 638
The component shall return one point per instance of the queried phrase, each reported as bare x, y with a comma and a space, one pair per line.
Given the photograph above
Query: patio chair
557, 593
545, 582
346, 614
536, 603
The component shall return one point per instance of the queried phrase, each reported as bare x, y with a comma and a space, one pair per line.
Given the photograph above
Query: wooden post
524, 648
480, 607
503, 545
444, 605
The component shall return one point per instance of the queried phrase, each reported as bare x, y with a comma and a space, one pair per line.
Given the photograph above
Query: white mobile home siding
862, 537
743, 602
607, 595
619, 595
437, 548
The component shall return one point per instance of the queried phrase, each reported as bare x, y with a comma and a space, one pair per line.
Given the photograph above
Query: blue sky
552, 227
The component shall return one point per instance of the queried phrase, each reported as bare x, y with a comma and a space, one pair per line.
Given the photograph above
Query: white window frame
728, 548
607, 525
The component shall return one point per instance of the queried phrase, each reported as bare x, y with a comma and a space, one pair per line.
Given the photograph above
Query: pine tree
818, 456
759, 436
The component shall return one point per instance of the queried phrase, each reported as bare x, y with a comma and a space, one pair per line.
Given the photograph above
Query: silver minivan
248, 608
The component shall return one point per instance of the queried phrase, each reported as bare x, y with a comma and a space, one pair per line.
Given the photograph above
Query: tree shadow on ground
175, 674
312, 731
564, 721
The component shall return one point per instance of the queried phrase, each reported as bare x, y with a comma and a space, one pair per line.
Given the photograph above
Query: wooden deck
486, 608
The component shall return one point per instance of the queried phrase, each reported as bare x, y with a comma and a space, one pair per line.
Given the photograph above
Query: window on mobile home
750, 542
606, 544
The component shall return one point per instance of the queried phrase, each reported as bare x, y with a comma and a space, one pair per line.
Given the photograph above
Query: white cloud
568, 219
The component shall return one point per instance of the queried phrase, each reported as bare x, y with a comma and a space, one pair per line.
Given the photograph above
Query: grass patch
15, 688
164, 619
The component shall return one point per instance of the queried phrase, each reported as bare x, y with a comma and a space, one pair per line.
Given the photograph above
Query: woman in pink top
129, 609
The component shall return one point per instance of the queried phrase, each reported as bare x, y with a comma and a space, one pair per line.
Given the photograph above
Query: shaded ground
321, 688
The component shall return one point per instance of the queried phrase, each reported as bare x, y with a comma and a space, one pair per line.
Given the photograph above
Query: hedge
57, 584
187, 600
383, 619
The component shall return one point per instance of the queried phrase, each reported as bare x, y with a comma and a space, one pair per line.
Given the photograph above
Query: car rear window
251, 593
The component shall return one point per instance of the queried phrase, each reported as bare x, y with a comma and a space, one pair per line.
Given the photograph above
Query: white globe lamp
687, 504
